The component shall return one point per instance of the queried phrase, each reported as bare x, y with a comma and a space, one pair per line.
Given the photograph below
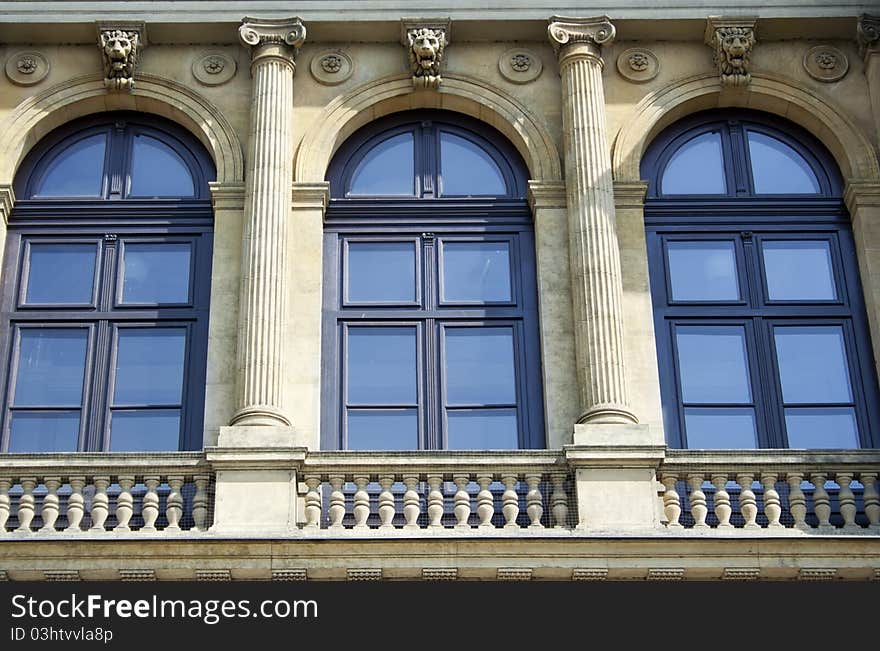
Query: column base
260, 415
259, 436
608, 414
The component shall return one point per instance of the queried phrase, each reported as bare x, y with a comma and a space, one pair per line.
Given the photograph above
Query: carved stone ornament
331, 67
868, 34
121, 45
520, 66
213, 68
732, 41
27, 68
825, 63
638, 64
595, 32
280, 38
425, 42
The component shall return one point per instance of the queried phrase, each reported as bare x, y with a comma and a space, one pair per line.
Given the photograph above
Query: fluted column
274, 44
593, 248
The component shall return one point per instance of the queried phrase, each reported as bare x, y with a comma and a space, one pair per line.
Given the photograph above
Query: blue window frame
430, 300
762, 336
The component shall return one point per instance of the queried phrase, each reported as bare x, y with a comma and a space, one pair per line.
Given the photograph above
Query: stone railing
404, 493
771, 491
94, 493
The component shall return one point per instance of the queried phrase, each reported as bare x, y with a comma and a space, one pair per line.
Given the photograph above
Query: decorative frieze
732, 41
297, 574
132, 576
514, 574
61, 575
589, 574
425, 41
638, 64
213, 575
665, 574
27, 68
868, 34
121, 44
214, 68
520, 66
364, 574
825, 63
817, 574
439, 573
741, 573
331, 67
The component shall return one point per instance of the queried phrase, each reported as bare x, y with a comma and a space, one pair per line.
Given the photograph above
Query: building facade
440, 292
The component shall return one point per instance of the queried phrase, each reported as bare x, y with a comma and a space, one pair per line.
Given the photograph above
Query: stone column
868, 35
274, 46
595, 259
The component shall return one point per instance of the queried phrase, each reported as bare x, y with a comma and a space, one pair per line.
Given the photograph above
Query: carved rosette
213, 68
825, 63
580, 37
732, 41
27, 68
868, 34
638, 64
520, 66
274, 39
425, 42
121, 44
331, 67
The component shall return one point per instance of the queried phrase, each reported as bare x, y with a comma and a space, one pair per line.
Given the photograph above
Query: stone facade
580, 107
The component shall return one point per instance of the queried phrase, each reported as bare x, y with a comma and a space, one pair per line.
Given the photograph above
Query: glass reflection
476, 271
387, 169
799, 270
697, 167
720, 428
779, 169
702, 271
55, 431
479, 366
482, 429
812, 364
467, 170
825, 427
144, 430
77, 171
381, 366
149, 366
158, 171
51, 367
381, 272
155, 273
712, 364
60, 273
382, 429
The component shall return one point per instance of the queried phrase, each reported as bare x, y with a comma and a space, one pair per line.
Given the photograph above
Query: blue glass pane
381, 271
712, 364
830, 427
387, 169
385, 429
56, 431
479, 366
482, 429
720, 428
51, 366
155, 273
145, 431
703, 271
77, 171
476, 271
799, 270
467, 170
812, 364
696, 168
158, 171
779, 169
149, 366
381, 366
60, 273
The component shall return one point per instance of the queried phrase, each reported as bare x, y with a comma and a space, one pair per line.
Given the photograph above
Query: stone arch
347, 113
85, 95
823, 118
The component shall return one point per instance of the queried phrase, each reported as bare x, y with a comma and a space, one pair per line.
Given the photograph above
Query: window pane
149, 366
833, 427
479, 366
721, 428
77, 171
387, 169
713, 364
483, 429
779, 169
60, 273
799, 270
158, 171
155, 273
56, 431
51, 366
476, 271
385, 429
703, 271
812, 364
467, 169
145, 431
381, 271
696, 168
381, 366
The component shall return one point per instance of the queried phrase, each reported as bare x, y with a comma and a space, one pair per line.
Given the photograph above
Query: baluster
386, 503
5, 485
150, 506
847, 501
26, 504
361, 508
435, 502
75, 504
534, 502
174, 503
870, 496
462, 502
772, 504
723, 509
748, 503
411, 507
313, 503
671, 500
49, 511
698, 501
100, 503
485, 502
337, 502
559, 502
510, 502
821, 501
124, 503
200, 503
797, 503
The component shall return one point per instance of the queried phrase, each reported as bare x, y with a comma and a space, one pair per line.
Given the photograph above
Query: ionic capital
272, 39
868, 34
580, 37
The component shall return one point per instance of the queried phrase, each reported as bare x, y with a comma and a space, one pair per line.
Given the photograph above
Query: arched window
107, 280
430, 301
761, 331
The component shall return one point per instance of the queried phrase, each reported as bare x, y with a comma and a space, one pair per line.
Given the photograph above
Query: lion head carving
733, 49
426, 47
119, 48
